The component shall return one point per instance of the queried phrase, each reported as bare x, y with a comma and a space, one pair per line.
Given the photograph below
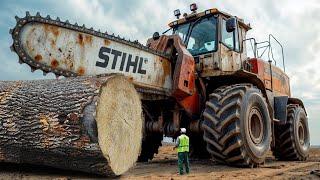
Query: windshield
202, 36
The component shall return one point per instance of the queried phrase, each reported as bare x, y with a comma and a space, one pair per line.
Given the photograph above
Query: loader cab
214, 38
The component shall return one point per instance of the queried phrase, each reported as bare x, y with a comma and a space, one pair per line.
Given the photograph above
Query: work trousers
183, 159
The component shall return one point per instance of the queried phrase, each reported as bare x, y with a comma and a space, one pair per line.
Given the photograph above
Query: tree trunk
90, 124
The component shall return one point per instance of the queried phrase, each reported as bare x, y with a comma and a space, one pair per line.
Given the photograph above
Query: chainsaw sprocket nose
35, 62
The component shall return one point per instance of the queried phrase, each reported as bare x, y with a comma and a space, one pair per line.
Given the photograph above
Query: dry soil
164, 166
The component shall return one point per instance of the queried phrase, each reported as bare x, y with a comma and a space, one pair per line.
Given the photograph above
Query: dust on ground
164, 166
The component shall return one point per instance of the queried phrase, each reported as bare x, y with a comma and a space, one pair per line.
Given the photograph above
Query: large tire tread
223, 139
222, 125
285, 148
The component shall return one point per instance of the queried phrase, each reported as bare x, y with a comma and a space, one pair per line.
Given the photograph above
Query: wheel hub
301, 133
255, 125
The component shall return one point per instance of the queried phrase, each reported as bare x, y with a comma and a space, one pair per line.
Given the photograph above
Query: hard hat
183, 130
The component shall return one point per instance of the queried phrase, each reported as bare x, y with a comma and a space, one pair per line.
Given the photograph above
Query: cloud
293, 22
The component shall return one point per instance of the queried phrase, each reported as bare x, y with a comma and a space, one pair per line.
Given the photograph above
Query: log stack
90, 124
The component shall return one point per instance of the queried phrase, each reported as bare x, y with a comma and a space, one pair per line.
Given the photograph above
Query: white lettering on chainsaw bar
126, 61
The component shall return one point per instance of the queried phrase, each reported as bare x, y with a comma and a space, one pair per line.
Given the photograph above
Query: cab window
230, 39
200, 36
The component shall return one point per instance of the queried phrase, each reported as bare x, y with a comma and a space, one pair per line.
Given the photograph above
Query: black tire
293, 138
237, 125
150, 147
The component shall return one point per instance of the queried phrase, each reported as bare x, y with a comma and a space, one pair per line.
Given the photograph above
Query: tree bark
90, 124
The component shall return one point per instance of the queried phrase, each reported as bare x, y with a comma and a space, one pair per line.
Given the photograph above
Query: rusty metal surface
224, 61
274, 79
184, 74
160, 44
71, 50
184, 88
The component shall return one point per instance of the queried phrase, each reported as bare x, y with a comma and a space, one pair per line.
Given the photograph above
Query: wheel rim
256, 126
302, 133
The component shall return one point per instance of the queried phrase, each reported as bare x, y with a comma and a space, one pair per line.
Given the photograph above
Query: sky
295, 23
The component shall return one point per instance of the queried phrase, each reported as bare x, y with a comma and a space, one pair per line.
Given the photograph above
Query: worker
182, 146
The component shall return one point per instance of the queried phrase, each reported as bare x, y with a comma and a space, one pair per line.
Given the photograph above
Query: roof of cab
204, 13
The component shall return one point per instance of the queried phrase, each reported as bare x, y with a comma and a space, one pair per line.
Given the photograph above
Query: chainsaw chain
25, 58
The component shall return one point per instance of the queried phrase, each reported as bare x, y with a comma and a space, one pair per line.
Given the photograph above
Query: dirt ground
164, 166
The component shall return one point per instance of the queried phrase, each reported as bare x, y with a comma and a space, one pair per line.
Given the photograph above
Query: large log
90, 124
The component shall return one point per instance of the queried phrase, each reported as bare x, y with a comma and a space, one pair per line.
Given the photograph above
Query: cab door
229, 47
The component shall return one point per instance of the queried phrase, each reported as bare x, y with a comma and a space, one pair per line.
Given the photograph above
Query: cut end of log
90, 124
119, 123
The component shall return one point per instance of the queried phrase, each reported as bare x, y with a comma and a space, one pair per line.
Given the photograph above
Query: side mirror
156, 36
231, 24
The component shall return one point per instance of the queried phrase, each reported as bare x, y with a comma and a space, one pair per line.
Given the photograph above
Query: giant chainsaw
68, 50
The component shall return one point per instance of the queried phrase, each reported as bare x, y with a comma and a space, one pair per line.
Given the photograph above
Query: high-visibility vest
183, 143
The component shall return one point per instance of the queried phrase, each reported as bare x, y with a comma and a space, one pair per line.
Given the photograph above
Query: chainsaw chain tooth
17, 18
24, 58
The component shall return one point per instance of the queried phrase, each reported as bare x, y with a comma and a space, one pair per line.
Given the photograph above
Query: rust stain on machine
54, 63
91, 55
38, 57
52, 29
